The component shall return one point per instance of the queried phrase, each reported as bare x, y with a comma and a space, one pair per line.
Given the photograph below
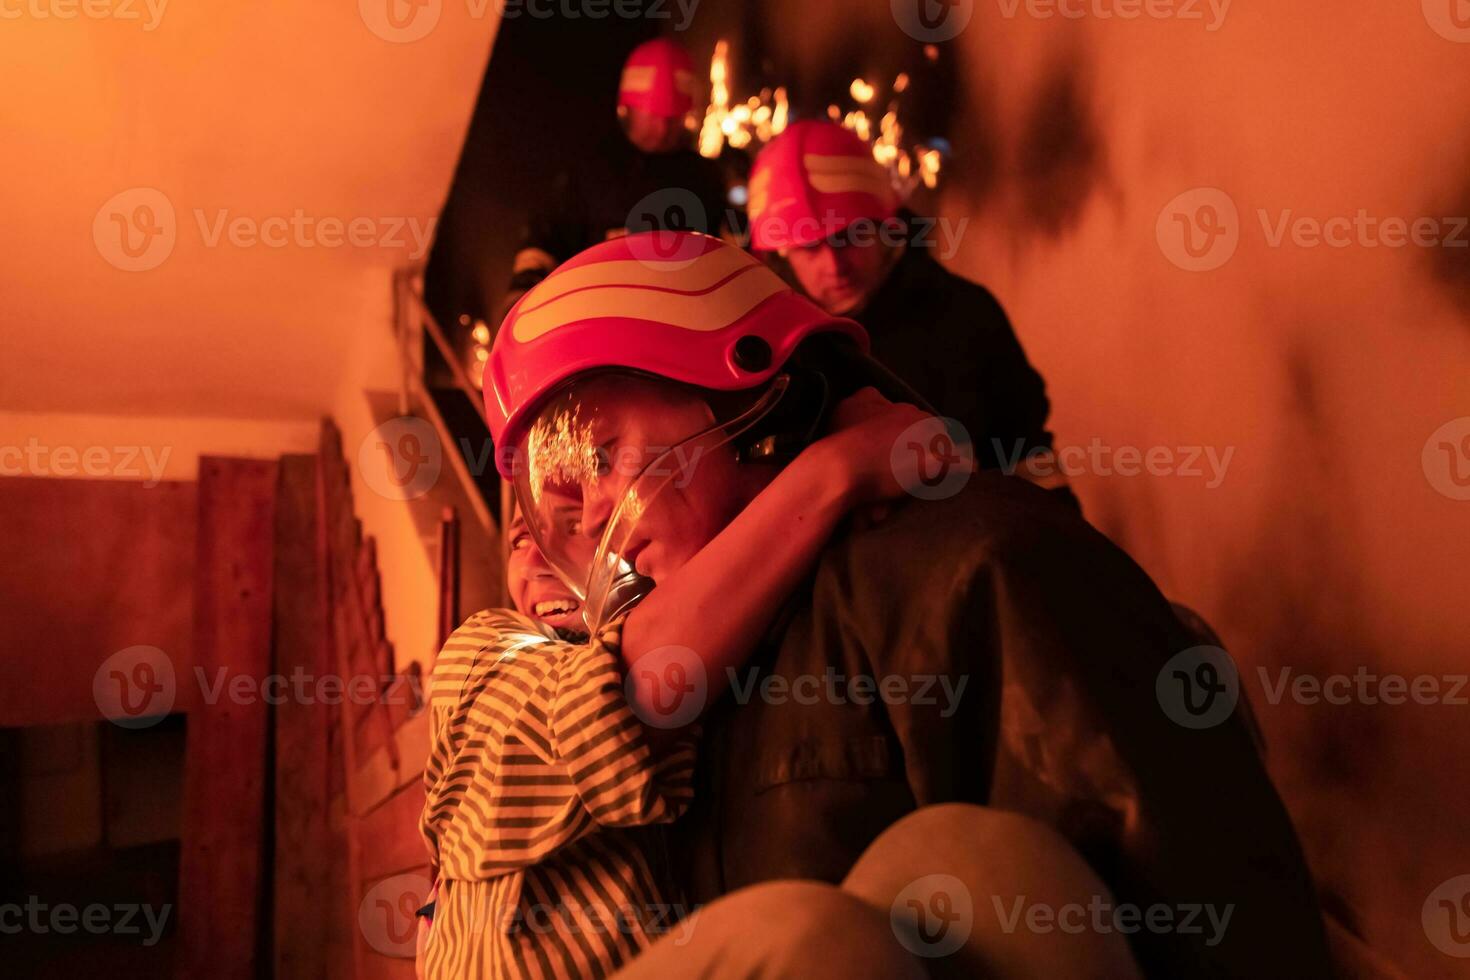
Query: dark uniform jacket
619, 189
1059, 639
951, 341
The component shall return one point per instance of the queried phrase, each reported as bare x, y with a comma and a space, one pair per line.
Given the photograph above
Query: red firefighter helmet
677, 305
659, 78
636, 317
811, 182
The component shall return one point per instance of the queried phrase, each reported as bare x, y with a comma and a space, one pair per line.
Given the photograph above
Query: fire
762, 117
560, 450
910, 166
479, 349
929, 163
758, 118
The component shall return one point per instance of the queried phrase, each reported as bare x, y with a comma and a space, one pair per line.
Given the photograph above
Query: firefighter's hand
863, 442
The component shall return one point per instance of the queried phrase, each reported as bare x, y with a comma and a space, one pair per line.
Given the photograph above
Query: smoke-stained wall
1233, 238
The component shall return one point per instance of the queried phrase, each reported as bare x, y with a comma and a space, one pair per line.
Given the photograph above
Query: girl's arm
721, 601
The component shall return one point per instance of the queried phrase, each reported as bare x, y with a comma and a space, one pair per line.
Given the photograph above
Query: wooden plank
93, 567
382, 743
406, 696
221, 861
369, 719
335, 525
378, 777
358, 622
389, 836
305, 848
339, 912
371, 737
413, 745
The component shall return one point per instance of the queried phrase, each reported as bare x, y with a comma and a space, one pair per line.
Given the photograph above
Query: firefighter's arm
1016, 404
725, 597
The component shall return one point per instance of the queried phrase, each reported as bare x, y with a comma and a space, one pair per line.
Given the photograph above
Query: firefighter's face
653, 134
635, 421
840, 275
637, 453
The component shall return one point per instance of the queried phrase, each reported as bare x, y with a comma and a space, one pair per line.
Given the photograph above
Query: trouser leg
780, 929
984, 893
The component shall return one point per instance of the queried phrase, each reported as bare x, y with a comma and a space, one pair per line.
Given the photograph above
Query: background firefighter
648, 178
820, 202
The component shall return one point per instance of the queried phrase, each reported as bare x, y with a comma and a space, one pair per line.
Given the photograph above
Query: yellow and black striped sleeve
535, 747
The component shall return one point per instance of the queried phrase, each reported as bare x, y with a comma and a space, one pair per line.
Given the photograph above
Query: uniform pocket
856, 757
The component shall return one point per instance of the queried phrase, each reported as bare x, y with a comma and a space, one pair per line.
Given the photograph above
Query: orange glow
909, 166
755, 120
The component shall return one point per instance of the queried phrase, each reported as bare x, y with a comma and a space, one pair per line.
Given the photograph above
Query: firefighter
981, 646
648, 177
820, 202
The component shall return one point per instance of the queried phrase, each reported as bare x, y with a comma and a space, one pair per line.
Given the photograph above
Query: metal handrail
413, 322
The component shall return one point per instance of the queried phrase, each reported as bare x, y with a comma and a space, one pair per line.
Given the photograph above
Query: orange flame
909, 166
759, 118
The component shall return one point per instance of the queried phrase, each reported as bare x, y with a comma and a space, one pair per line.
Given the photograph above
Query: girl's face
534, 587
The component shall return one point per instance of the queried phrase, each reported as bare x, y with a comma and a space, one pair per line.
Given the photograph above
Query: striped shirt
542, 792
